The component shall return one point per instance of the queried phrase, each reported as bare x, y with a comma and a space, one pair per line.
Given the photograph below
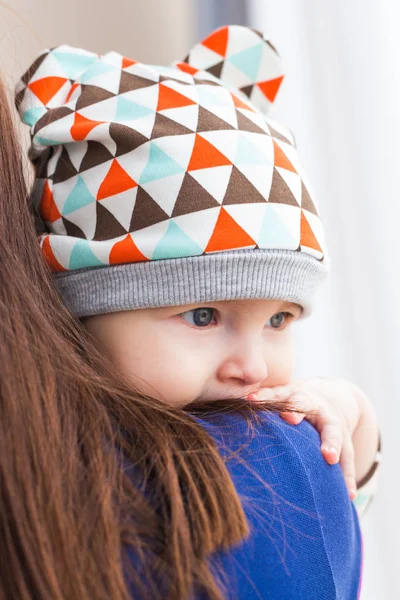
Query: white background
341, 98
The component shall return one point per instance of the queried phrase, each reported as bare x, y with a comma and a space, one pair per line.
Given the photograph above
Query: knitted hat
162, 186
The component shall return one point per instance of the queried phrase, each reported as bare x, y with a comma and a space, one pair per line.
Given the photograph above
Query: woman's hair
97, 482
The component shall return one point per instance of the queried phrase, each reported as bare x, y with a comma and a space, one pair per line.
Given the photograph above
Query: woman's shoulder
305, 533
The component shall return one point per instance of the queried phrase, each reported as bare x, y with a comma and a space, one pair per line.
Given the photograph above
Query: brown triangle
96, 154
241, 191
126, 138
280, 192
52, 115
207, 121
41, 163
169, 78
278, 135
192, 197
146, 212
131, 82
165, 126
247, 89
216, 69
33, 68
64, 169
107, 226
245, 124
91, 94
306, 201
200, 80
72, 229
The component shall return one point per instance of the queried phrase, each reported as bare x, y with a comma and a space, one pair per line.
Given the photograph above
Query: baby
176, 213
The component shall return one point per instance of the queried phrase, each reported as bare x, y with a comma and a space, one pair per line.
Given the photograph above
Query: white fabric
341, 98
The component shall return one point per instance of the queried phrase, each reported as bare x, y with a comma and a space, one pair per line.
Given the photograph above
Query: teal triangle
32, 116
273, 233
98, 68
79, 197
175, 244
248, 61
248, 153
206, 96
74, 64
45, 141
128, 110
159, 165
82, 256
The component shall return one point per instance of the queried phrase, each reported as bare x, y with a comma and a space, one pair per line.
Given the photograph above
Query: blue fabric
305, 540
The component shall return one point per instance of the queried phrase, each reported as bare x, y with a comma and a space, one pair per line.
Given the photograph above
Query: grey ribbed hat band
285, 275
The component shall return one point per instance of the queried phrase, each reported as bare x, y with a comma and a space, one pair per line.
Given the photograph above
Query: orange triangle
307, 237
82, 127
50, 258
281, 160
186, 68
228, 234
48, 208
239, 104
116, 181
71, 91
206, 155
46, 88
169, 98
270, 88
125, 251
217, 41
128, 62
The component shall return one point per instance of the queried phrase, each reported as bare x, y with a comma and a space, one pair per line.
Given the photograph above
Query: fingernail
331, 450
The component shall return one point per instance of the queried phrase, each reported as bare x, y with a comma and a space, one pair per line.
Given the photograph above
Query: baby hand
335, 407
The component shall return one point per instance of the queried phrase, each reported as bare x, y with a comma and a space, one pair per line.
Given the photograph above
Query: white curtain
341, 98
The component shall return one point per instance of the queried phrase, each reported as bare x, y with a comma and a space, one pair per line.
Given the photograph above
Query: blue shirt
305, 541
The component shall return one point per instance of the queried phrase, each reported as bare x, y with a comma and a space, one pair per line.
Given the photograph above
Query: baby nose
247, 363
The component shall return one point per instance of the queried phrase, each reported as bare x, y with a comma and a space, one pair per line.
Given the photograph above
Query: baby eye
200, 317
277, 320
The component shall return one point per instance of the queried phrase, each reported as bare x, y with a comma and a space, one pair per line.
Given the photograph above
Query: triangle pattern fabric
121, 207
217, 41
241, 191
159, 165
82, 127
228, 235
170, 98
127, 110
146, 212
44, 89
79, 197
205, 155
48, 207
107, 226
280, 191
165, 126
207, 121
125, 138
192, 198
117, 180
175, 244
126, 251
82, 256
307, 235
280, 227
248, 61
135, 162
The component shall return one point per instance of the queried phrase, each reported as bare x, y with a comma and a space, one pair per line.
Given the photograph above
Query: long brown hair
73, 518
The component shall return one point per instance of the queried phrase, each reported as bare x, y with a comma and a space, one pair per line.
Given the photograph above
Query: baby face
207, 351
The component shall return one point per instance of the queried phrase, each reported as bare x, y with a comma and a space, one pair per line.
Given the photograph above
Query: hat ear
242, 59
48, 81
